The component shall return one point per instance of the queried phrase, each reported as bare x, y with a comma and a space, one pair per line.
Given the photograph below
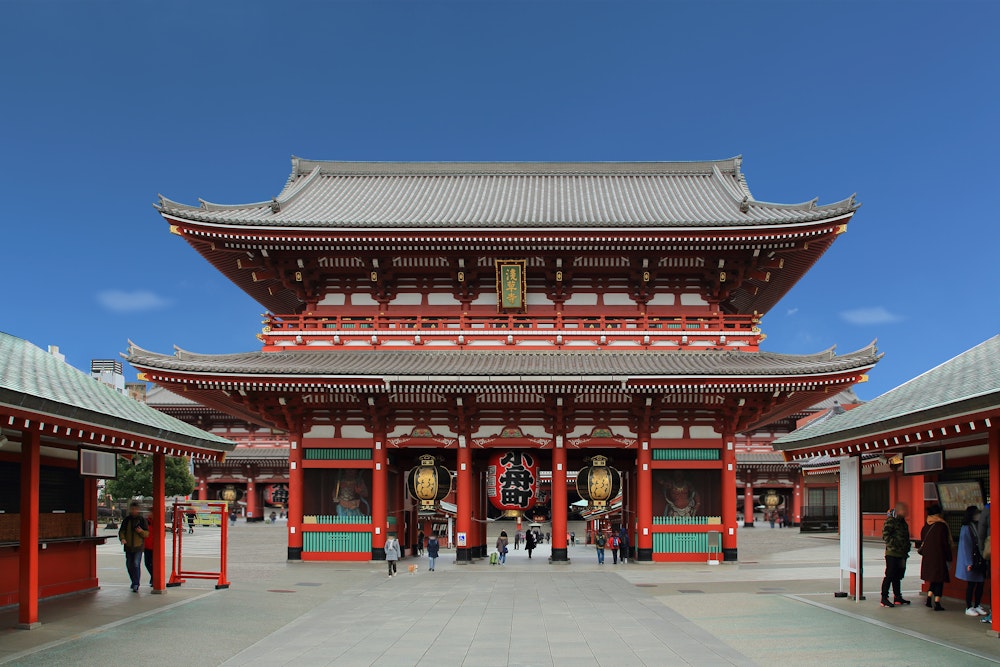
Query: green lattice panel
327, 519
685, 520
686, 454
338, 454
680, 543
335, 542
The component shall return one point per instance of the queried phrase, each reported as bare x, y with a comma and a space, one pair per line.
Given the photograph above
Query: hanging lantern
512, 482
598, 483
428, 483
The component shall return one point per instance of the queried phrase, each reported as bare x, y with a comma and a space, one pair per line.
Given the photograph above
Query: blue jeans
600, 556
431, 560
133, 564
503, 557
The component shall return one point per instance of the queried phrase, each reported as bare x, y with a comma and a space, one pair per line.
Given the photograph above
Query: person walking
935, 547
529, 542
517, 539
968, 548
391, 553
149, 549
615, 545
572, 537
132, 534
420, 542
190, 520
626, 549
985, 549
600, 542
502, 547
896, 535
433, 549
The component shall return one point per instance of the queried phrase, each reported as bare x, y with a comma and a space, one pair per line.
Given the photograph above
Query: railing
733, 323
536, 331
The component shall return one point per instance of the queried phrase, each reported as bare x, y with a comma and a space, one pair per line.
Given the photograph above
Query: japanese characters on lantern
512, 482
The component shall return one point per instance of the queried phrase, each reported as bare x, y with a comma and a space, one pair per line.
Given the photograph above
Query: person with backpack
896, 535
969, 556
615, 545
391, 553
529, 542
132, 534
433, 547
600, 542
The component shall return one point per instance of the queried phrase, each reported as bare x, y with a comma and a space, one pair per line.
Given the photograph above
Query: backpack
601, 541
615, 543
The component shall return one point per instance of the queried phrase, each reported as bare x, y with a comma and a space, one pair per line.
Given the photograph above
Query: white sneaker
979, 610
971, 611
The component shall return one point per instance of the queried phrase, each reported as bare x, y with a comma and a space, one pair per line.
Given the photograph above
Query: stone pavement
776, 606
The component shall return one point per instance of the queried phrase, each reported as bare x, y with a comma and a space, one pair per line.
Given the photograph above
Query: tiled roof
502, 364
846, 397
258, 454
760, 457
970, 381
488, 195
159, 397
34, 380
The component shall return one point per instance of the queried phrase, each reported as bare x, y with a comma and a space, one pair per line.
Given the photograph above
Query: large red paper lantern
512, 482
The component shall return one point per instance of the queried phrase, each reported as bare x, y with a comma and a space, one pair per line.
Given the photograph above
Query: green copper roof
36, 381
969, 382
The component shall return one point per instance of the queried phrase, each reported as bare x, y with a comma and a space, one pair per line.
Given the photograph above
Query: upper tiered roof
488, 195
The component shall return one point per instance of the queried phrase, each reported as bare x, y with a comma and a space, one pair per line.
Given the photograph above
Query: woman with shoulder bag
968, 566
935, 547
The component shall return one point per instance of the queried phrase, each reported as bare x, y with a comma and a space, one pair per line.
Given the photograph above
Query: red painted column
797, 501
644, 502
157, 530
728, 497
380, 496
559, 502
748, 502
296, 489
994, 464
202, 487
251, 496
463, 498
27, 590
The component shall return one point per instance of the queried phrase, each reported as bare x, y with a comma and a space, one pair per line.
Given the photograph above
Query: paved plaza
775, 607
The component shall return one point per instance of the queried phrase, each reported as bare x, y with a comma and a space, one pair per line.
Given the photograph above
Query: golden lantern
428, 482
598, 483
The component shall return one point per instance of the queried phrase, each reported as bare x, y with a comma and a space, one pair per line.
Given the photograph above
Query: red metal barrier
178, 575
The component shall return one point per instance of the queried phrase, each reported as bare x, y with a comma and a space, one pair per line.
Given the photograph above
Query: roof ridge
301, 166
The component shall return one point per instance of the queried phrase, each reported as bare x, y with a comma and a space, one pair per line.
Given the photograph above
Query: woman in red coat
935, 547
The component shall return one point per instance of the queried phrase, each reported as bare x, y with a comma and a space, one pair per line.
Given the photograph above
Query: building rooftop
411, 365
489, 195
964, 384
38, 382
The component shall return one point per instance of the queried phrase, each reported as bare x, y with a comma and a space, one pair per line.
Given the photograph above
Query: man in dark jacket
896, 535
132, 535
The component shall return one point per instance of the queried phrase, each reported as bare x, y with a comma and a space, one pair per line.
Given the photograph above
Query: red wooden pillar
463, 499
728, 497
797, 500
994, 464
644, 502
27, 590
559, 502
251, 496
157, 530
380, 497
202, 486
296, 484
748, 501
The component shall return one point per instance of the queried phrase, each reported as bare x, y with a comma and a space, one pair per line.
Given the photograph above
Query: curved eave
208, 239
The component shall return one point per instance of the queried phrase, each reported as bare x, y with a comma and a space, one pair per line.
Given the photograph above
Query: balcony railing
520, 330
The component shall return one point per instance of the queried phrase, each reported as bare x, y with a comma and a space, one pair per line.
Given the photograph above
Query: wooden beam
27, 591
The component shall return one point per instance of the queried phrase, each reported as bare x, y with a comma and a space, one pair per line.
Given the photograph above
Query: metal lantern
428, 483
512, 482
598, 483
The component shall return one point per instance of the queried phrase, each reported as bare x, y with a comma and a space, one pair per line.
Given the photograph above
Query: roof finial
745, 204
275, 205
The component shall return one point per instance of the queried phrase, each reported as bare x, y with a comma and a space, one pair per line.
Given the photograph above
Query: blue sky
105, 104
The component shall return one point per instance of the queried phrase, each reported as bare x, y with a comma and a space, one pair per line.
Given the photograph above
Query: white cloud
121, 301
866, 316
791, 311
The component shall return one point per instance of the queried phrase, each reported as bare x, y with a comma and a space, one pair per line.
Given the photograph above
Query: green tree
135, 478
